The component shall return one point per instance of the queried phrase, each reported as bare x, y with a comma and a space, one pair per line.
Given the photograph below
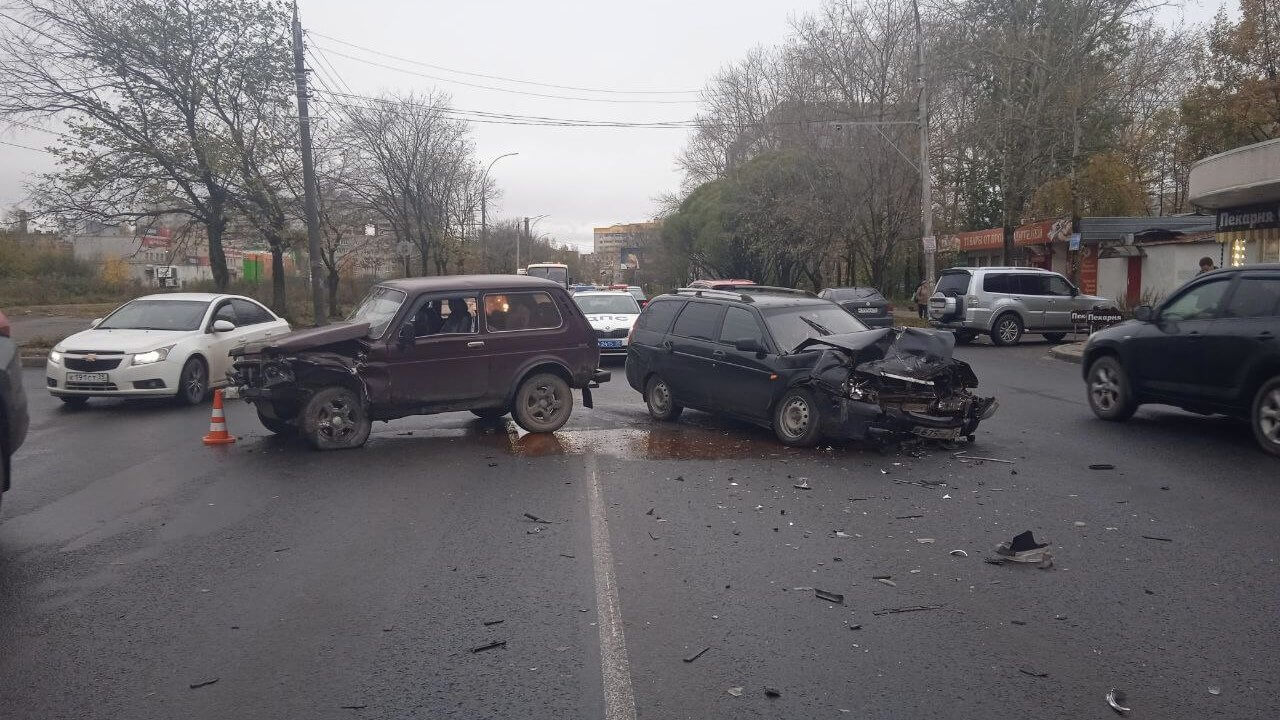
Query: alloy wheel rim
337, 419
1269, 416
195, 382
795, 417
661, 397
1008, 330
1105, 389
543, 403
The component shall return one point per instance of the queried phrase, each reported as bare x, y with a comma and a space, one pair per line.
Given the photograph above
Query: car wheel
335, 419
275, 424
1266, 416
1054, 337
74, 402
490, 413
543, 403
1007, 330
964, 337
193, 383
796, 419
662, 404
1110, 393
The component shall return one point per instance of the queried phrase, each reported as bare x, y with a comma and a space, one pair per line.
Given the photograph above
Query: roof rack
724, 294
775, 289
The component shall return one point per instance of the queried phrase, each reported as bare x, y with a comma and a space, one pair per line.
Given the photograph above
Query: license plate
937, 433
610, 343
87, 377
867, 311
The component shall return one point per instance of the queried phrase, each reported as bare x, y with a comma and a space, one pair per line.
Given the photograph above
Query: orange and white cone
218, 434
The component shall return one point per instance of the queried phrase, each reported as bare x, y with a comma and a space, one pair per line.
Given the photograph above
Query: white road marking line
615, 670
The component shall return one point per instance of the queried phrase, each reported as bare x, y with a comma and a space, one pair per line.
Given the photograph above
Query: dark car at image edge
1212, 348
13, 403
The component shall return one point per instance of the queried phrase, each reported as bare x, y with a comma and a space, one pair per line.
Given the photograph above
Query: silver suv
1006, 302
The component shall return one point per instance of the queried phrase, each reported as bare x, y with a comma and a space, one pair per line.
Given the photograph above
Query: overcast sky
579, 177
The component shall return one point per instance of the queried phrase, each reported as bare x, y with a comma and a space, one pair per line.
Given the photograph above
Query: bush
46, 274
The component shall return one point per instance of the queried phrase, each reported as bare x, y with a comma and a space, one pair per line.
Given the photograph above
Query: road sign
930, 243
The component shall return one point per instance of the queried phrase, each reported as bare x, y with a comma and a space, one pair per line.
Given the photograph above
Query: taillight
890, 308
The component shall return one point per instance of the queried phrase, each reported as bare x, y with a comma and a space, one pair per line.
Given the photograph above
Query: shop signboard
1252, 217
1095, 319
1089, 269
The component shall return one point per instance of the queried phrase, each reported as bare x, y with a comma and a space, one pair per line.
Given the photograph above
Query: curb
1071, 353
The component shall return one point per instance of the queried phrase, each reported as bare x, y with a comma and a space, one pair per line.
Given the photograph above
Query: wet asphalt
136, 563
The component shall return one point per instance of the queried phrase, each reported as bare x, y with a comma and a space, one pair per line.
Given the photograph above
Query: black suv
801, 365
1212, 347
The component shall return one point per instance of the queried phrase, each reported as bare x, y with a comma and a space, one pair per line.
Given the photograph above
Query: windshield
620, 304
556, 274
157, 315
792, 326
636, 293
378, 308
953, 283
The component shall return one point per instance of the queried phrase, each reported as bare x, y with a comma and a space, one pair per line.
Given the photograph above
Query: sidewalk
1070, 352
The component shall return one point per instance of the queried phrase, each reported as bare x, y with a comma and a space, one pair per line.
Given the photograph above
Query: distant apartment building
619, 250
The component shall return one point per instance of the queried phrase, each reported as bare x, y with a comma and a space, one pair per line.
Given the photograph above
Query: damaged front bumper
860, 420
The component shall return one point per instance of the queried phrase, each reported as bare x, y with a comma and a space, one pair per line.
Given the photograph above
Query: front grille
91, 365
92, 386
619, 333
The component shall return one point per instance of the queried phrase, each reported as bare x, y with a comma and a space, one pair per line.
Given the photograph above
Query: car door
218, 345
437, 353
693, 340
648, 352
1029, 294
1244, 336
258, 322
520, 327
743, 382
1059, 300
1168, 356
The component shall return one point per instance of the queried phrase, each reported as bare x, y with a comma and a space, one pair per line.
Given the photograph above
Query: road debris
1215, 690
490, 646
828, 596
772, 692
908, 517
886, 581
360, 706
963, 455
537, 519
697, 655
203, 683
1116, 699
679, 478
946, 497
1102, 466
906, 609
802, 485
654, 537
1080, 523
842, 534
1023, 548
534, 531
925, 541
1157, 537
567, 555
959, 553
488, 623
650, 511
1033, 673
855, 627
735, 691
283, 549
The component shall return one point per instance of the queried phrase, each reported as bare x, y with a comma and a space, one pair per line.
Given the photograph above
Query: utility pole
526, 236
309, 178
926, 182
484, 220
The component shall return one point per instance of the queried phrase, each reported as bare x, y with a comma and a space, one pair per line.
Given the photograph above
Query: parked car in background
611, 314
800, 365
637, 292
719, 284
865, 303
1212, 348
581, 287
1005, 302
13, 404
490, 344
174, 345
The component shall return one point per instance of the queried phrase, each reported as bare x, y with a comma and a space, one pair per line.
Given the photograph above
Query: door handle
475, 344
666, 345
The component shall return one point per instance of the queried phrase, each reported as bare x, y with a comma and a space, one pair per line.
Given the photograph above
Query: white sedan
174, 345
611, 314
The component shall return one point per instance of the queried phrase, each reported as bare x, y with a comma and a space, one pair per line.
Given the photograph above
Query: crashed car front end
896, 384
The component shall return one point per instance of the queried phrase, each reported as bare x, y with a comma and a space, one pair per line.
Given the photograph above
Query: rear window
699, 320
657, 315
509, 312
953, 283
857, 293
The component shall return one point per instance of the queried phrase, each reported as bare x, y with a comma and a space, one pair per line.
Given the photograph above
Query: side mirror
749, 345
406, 335
96, 322
1143, 313
220, 326
1074, 291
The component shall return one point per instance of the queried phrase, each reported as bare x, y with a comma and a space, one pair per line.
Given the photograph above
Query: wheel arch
1264, 371
1094, 354
553, 367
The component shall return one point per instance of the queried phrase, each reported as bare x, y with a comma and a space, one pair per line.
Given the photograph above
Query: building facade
1242, 186
619, 250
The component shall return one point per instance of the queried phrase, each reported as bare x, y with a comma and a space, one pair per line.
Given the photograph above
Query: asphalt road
136, 563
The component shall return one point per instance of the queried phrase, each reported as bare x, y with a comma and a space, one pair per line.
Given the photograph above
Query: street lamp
526, 232
484, 219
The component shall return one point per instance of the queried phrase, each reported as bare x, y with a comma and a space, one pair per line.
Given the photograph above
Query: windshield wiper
816, 325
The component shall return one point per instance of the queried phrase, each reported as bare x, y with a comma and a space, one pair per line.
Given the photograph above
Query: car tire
193, 382
1007, 329
275, 424
964, 337
335, 419
1109, 389
1054, 337
490, 413
660, 401
74, 402
796, 419
543, 403
1265, 417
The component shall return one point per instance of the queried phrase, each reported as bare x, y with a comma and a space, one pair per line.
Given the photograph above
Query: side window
740, 324
226, 312
995, 283
251, 313
445, 315
657, 316
1199, 303
1028, 284
1255, 297
508, 312
1057, 286
699, 320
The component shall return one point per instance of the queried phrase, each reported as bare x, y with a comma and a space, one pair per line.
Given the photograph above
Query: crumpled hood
611, 321
308, 338
123, 341
904, 352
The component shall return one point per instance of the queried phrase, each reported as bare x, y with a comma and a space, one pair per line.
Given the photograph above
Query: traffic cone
218, 434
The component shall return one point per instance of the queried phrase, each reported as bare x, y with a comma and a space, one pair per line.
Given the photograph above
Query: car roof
198, 297
468, 282
589, 293
1003, 268
759, 300
1242, 268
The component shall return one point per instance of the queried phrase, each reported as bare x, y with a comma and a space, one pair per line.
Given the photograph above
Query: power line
498, 89
502, 78
26, 147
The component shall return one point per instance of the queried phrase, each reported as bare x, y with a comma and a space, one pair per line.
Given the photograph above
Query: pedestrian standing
922, 297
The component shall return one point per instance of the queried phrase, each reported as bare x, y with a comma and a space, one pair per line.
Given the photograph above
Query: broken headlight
276, 374
954, 403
